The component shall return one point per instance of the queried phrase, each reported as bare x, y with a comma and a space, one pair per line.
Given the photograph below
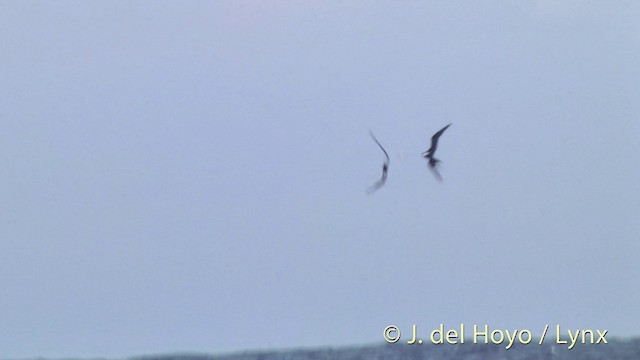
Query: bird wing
436, 173
377, 185
434, 141
385, 167
383, 150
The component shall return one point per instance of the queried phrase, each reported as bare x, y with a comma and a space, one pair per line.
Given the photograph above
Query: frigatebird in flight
433, 162
385, 168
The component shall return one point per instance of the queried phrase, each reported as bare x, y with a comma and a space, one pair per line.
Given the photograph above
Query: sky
191, 176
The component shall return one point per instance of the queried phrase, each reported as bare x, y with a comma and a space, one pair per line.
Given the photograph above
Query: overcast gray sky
191, 176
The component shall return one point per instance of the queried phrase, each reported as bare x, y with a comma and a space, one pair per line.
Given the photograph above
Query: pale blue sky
190, 176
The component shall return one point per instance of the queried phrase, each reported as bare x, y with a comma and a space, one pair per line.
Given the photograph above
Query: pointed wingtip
372, 136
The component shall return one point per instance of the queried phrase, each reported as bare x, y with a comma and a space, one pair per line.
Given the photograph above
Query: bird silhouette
385, 168
433, 162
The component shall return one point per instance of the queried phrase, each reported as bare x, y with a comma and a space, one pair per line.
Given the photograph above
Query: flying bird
433, 162
385, 168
